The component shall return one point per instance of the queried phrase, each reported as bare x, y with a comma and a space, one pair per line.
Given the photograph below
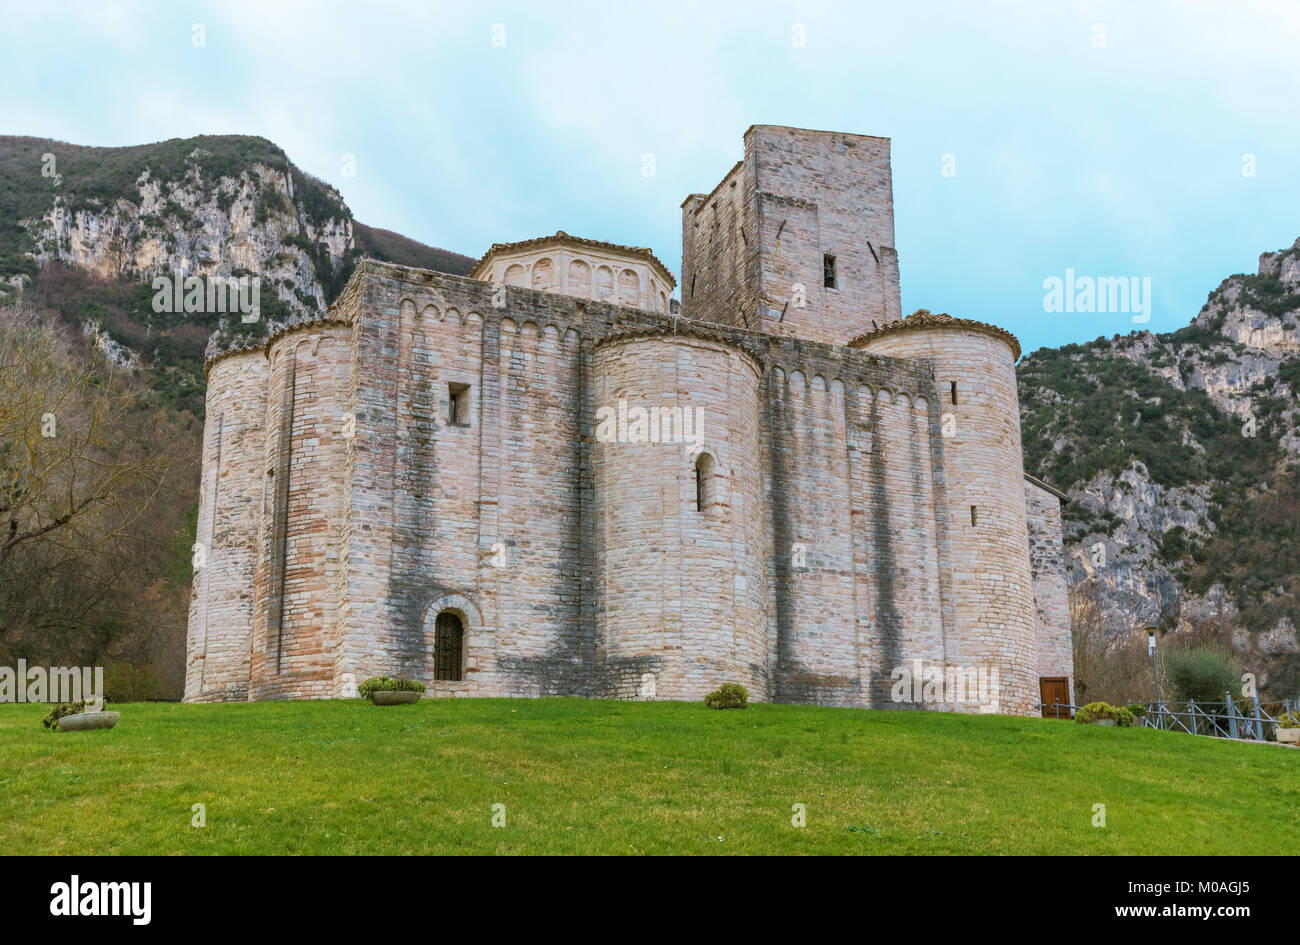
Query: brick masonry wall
1051, 596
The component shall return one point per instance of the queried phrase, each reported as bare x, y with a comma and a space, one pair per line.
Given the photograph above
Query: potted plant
391, 690
78, 717
1288, 728
1103, 713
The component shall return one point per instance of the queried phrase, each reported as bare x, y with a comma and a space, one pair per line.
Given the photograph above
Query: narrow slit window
954, 393
974, 517
828, 271
703, 483
458, 403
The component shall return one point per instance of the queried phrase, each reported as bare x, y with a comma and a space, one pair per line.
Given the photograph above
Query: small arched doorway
448, 647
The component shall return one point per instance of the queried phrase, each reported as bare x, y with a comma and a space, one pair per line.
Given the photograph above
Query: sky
1137, 139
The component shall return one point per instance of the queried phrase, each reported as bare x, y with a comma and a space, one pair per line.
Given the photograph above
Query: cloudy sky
1148, 139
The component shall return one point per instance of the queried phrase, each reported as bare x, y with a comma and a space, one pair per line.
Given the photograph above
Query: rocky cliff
213, 206
1181, 455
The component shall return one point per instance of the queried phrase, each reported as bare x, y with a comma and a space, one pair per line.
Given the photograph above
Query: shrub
1137, 709
59, 711
389, 684
1203, 674
124, 682
1096, 711
728, 696
1289, 720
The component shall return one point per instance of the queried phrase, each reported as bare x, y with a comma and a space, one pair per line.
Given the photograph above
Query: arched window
448, 641
705, 487
516, 276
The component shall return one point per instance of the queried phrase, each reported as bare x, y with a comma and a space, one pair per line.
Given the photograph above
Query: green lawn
579, 776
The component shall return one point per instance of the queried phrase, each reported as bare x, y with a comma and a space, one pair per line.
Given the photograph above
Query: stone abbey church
547, 478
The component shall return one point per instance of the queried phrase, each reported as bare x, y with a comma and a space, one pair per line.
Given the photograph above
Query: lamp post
1155, 664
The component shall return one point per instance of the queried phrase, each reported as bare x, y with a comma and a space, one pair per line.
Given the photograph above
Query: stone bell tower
797, 239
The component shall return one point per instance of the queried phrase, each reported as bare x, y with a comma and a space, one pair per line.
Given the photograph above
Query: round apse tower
302, 497
995, 622
678, 490
225, 549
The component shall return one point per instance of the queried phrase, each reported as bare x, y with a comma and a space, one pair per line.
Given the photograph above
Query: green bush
124, 682
59, 711
1289, 720
1137, 709
1203, 674
728, 696
389, 684
1096, 711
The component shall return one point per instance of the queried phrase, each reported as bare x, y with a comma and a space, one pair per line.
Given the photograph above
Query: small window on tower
974, 517
704, 485
954, 393
828, 271
458, 403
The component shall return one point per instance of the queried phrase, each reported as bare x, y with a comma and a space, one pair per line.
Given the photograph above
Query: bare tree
1111, 670
81, 465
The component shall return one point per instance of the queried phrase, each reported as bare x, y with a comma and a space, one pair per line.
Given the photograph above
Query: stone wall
221, 602
679, 583
1051, 596
753, 250
302, 514
583, 269
984, 512
834, 547
434, 445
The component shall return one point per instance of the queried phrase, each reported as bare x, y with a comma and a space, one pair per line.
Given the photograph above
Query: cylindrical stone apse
295, 625
678, 495
986, 521
225, 552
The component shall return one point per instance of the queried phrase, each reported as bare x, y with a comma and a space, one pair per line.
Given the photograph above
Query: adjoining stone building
514, 484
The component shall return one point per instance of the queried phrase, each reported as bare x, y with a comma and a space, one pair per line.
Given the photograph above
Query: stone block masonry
507, 491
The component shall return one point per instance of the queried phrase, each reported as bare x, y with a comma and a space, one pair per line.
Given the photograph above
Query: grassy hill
580, 776
396, 248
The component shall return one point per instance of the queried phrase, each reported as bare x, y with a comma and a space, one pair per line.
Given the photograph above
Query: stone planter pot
1104, 722
1288, 736
388, 697
89, 721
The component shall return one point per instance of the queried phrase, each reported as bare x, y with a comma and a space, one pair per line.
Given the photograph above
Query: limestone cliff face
227, 206
200, 229
1181, 454
248, 224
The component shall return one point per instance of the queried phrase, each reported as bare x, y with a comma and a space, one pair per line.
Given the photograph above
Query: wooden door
1053, 690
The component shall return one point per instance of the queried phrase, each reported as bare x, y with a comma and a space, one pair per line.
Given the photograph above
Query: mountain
224, 205
1181, 457
83, 232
